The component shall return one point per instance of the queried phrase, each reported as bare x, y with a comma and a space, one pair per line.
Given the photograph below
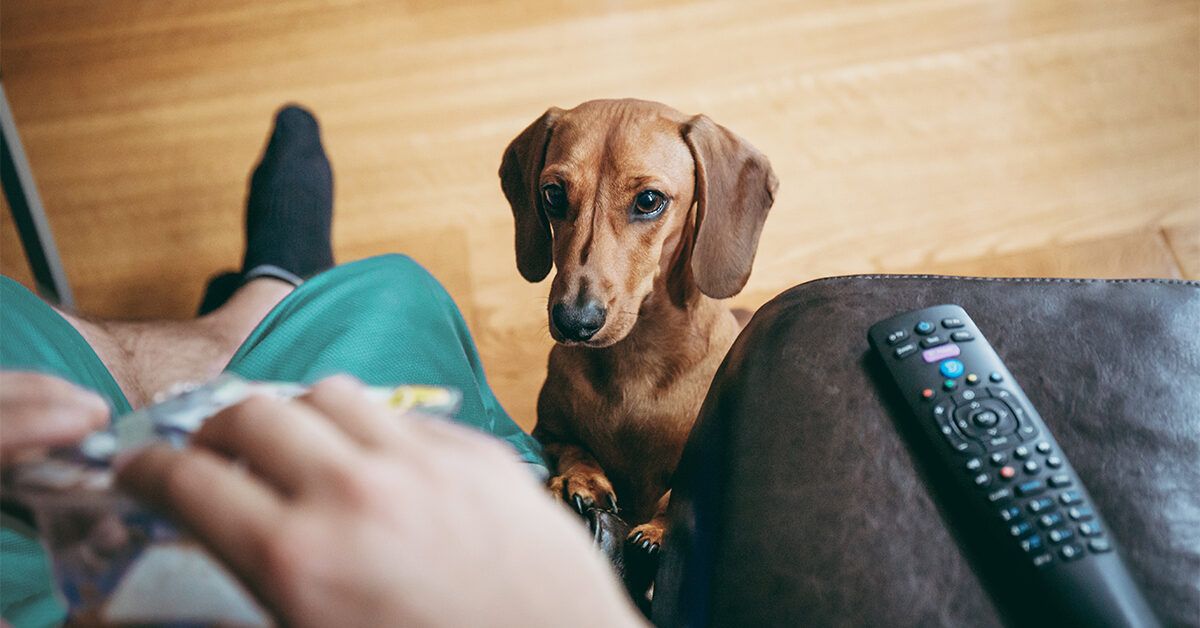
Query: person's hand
40, 411
346, 515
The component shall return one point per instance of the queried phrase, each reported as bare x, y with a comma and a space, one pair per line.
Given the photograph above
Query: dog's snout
578, 321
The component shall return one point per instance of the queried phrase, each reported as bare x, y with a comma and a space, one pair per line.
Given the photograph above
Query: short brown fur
616, 409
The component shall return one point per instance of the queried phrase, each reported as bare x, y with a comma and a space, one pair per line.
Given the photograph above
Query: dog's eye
554, 199
649, 203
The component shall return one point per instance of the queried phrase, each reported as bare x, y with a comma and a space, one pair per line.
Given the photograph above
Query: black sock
289, 211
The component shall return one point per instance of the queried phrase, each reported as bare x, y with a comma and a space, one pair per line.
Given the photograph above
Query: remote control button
1054, 462
1032, 544
999, 495
1040, 505
1032, 487
927, 393
924, 328
949, 384
942, 410
996, 377
905, 351
1010, 513
1027, 432
1021, 528
1089, 529
1070, 552
1021, 453
965, 396
1080, 514
983, 479
959, 445
1042, 560
939, 353
1099, 546
1060, 480
896, 336
1059, 535
952, 323
972, 379
1031, 467
1000, 393
1070, 498
998, 458
974, 464
985, 418
933, 341
999, 441
951, 368
961, 336
1050, 520
1007, 472
1043, 447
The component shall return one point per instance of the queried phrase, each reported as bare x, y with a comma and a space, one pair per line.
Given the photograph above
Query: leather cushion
796, 501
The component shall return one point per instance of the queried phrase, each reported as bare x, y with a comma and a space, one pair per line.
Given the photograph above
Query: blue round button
951, 368
924, 327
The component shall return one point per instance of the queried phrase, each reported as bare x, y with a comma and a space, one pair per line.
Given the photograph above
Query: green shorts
384, 320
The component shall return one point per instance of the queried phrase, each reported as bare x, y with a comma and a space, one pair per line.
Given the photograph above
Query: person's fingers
38, 411
443, 433
231, 512
344, 401
288, 444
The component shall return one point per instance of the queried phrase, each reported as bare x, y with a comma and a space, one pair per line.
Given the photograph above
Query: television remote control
1028, 524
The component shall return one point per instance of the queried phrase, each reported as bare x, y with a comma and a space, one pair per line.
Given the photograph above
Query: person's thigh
386, 321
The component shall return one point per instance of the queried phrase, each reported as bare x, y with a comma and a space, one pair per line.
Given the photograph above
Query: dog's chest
644, 410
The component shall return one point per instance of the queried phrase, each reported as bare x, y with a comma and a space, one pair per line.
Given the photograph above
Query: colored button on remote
1032, 487
951, 368
939, 353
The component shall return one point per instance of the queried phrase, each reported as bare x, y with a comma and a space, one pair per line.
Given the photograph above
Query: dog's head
620, 193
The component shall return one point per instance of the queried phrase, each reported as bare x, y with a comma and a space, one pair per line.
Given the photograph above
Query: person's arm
344, 515
41, 411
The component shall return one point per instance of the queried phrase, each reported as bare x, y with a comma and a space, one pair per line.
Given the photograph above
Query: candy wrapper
117, 562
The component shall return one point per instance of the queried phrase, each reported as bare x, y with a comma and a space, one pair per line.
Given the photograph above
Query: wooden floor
951, 136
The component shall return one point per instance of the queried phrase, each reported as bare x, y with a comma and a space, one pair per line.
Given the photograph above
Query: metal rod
29, 214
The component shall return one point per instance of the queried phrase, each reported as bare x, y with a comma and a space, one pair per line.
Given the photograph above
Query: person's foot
290, 207
289, 210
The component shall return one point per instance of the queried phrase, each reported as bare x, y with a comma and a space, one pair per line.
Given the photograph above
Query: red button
1007, 472
927, 393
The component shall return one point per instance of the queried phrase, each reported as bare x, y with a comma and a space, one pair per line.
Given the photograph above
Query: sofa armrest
797, 502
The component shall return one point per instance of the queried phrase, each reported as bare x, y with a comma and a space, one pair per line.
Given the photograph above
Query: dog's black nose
578, 322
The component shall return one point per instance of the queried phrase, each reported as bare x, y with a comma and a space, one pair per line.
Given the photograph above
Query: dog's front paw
648, 537
584, 490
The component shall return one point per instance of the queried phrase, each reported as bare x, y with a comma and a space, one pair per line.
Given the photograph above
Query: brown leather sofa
798, 502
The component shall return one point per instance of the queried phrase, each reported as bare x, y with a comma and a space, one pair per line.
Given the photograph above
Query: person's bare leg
147, 358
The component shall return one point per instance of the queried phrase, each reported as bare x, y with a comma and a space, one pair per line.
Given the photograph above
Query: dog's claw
612, 503
578, 503
646, 544
653, 549
637, 537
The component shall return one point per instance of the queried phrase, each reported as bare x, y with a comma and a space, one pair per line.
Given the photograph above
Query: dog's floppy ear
519, 172
735, 188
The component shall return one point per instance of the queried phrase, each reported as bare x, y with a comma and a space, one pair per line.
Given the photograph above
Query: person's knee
394, 272
394, 283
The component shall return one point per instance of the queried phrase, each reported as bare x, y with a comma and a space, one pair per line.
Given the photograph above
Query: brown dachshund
651, 217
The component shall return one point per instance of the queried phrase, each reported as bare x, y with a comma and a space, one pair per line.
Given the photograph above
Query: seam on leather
1180, 282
